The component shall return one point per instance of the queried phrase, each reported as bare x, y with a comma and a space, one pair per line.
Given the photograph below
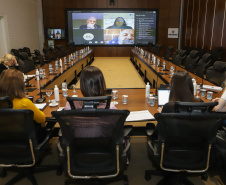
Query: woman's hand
160, 109
216, 99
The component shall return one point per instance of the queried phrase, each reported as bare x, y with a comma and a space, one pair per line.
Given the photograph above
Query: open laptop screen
163, 96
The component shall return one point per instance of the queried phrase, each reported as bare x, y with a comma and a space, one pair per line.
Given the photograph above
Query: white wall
25, 24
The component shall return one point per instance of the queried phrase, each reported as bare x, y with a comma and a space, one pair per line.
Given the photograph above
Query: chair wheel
126, 182
147, 176
3, 173
204, 177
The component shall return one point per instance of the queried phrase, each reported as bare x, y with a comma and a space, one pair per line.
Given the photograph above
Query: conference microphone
41, 99
156, 88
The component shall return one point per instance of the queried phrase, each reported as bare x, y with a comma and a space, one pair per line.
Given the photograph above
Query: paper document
41, 106
139, 116
215, 88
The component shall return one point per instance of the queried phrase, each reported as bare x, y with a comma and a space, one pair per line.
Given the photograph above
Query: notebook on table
163, 96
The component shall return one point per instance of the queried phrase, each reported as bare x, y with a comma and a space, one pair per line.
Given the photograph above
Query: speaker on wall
112, 2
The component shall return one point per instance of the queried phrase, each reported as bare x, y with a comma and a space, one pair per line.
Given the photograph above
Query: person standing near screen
91, 24
126, 36
119, 23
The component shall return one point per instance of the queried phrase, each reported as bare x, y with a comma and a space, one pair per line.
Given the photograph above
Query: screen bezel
112, 9
62, 38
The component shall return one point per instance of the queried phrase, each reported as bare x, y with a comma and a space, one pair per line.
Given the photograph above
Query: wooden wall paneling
194, 24
219, 24
184, 18
189, 24
91, 3
201, 26
48, 13
59, 14
110, 6
101, 51
112, 51
153, 4
209, 24
79, 4
124, 51
102, 3
132, 4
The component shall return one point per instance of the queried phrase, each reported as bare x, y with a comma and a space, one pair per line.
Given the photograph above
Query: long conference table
136, 97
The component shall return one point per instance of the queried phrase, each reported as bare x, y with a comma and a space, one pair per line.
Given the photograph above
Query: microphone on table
156, 88
41, 99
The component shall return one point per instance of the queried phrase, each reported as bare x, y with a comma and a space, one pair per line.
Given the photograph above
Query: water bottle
50, 68
41, 73
56, 64
65, 60
171, 71
164, 65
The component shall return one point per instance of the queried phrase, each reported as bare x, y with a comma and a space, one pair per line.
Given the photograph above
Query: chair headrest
170, 48
182, 53
206, 57
23, 55
194, 53
219, 66
37, 52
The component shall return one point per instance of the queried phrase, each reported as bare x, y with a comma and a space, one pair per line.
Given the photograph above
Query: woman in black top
181, 89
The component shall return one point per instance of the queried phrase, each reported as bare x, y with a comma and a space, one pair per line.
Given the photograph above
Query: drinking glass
114, 95
44, 73
197, 91
49, 93
74, 93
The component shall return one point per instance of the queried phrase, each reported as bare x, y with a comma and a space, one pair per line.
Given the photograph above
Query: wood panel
206, 30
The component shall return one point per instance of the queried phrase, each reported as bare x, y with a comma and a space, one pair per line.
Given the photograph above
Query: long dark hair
124, 22
181, 88
92, 82
12, 84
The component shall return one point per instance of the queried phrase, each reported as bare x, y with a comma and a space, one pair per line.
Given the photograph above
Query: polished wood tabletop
136, 97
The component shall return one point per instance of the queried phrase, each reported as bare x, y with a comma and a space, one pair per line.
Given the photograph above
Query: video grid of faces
103, 28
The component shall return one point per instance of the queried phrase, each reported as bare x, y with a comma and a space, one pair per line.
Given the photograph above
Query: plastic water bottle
56, 93
37, 74
56, 64
61, 63
194, 85
147, 90
171, 71
50, 68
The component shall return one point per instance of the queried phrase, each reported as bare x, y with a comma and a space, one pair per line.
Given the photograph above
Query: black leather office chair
216, 73
60, 51
175, 54
183, 145
191, 61
92, 141
47, 57
180, 58
203, 64
29, 65
18, 144
5, 102
28, 51
53, 53
90, 102
168, 53
39, 57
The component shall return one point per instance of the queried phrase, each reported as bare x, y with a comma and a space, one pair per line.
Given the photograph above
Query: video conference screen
55, 33
112, 27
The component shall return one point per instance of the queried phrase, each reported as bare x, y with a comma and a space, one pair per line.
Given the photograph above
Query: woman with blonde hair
12, 85
7, 61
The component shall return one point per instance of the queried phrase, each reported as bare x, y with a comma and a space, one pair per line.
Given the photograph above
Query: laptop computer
163, 96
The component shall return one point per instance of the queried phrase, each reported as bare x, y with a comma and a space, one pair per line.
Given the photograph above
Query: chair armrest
150, 128
127, 130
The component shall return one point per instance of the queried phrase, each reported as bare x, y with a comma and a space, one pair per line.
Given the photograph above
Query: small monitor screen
112, 26
55, 33
163, 96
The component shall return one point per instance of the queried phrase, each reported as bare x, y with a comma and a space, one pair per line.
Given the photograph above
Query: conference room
136, 45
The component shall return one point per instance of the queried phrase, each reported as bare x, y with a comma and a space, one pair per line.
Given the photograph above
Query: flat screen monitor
163, 96
55, 33
112, 26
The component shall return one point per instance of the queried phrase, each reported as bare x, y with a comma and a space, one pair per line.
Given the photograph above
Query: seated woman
119, 23
12, 85
221, 107
6, 61
92, 83
181, 89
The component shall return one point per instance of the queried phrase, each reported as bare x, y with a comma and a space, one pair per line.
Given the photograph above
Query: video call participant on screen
119, 23
91, 24
7, 61
12, 85
126, 36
